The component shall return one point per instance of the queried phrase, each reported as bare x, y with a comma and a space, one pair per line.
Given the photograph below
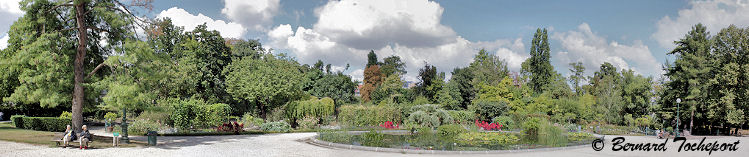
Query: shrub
110, 116
429, 115
486, 109
493, 139
461, 116
194, 112
488, 126
66, 115
182, 113
450, 131
311, 108
161, 117
248, 120
579, 136
307, 122
278, 126
389, 125
142, 126
210, 115
368, 115
373, 138
506, 122
17, 120
54, 124
551, 135
531, 127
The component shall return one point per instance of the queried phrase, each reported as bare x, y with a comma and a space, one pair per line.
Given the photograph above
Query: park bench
59, 143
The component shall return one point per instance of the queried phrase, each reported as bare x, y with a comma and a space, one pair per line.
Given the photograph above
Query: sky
633, 34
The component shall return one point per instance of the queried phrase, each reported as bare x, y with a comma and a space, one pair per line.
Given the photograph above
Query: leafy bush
368, 115
66, 115
110, 116
248, 120
486, 109
182, 113
54, 124
429, 115
506, 122
373, 138
307, 122
450, 131
551, 135
17, 120
461, 116
487, 138
579, 136
278, 126
311, 108
142, 126
531, 127
195, 112
210, 115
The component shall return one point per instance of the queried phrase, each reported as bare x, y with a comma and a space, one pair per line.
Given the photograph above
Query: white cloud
4, 41
180, 17
715, 14
583, 45
347, 30
10, 11
254, 14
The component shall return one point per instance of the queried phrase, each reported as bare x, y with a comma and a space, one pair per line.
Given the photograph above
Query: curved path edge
313, 140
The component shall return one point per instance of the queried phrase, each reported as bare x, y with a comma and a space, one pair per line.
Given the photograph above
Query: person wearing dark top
68, 136
85, 137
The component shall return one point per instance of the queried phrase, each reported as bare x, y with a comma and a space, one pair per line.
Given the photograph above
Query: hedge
368, 115
55, 124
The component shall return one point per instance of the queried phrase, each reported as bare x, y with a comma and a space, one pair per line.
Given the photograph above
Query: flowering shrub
389, 125
489, 138
230, 127
488, 126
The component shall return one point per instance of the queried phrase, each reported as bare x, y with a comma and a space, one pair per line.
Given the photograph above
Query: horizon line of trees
55, 57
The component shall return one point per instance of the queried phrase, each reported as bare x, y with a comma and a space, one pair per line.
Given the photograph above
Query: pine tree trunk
78, 68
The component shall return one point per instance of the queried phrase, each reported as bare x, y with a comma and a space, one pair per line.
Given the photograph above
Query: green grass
10, 133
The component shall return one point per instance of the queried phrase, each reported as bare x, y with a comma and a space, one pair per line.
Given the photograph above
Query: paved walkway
292, 144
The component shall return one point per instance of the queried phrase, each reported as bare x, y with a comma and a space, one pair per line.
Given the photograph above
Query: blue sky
633, 34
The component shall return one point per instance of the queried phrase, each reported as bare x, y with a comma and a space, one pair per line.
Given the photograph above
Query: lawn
10, 133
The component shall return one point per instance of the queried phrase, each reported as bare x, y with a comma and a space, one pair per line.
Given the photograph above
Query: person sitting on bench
84, 138
68, 136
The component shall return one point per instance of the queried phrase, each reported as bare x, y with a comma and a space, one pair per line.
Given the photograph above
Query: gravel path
291, 144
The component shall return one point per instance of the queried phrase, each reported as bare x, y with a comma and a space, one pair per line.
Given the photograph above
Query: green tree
689, 78
577, 77
427, 77
337, 86
539, 64
262, 81
636, 93
202, 56
241, 48
487, 68
372, 58
462, 78
53, 36
393, 65
449, 97
730, 86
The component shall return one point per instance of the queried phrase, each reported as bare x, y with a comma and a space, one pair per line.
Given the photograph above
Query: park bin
152, 138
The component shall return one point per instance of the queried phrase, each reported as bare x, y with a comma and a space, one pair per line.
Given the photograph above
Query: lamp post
125, 139
678, 101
